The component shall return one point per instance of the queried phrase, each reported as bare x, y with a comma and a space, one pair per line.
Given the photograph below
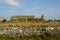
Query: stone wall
18, 31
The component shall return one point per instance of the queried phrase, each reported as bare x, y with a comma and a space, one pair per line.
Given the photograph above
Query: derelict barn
21, 18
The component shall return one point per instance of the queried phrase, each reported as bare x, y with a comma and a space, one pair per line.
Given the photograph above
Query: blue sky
50, 8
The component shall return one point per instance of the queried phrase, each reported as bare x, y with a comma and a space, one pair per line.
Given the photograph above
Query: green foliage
21, 19
44, 36
30, 19
42, 18
37, 19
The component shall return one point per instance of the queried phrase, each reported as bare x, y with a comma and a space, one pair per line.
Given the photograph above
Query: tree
42, 18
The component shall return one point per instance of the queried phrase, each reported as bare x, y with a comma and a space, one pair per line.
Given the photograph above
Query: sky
49, 8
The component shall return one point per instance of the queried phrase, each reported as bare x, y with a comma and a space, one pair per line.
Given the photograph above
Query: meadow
29, 24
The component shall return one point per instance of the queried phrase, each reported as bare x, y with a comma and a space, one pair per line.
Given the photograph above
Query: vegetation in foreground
44, 36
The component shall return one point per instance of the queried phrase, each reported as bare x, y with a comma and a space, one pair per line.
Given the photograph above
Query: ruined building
21, 18
26, 18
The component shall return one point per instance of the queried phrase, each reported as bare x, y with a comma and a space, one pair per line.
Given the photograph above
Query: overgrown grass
29, 24
45, 36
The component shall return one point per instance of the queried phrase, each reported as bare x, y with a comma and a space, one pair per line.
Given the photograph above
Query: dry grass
28, 24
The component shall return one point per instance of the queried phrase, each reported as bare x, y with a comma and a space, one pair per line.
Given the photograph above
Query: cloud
11, 2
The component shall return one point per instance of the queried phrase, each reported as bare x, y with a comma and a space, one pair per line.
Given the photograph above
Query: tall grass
45, 36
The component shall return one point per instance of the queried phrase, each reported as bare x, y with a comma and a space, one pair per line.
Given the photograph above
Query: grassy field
45, 36
28, 24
